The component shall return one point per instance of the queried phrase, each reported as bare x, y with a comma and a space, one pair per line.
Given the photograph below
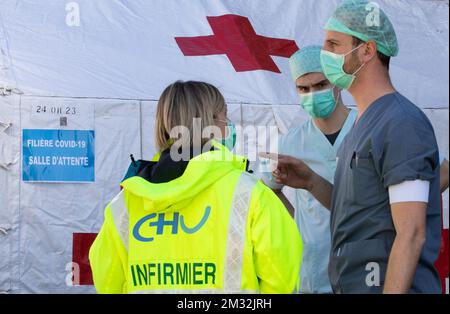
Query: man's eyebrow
333, 41
324, 82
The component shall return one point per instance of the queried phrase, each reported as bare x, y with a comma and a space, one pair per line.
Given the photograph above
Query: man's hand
290, 171
295, 173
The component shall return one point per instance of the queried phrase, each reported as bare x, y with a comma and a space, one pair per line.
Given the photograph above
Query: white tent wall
439, 119
9, 182
148, 114
41, 217
117, 61
119, 47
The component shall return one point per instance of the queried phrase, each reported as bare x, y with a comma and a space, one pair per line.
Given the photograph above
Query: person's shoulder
404, 112
263, 202
262, 194
406, 107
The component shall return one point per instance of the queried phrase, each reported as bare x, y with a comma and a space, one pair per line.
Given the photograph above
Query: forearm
443, 183
285, 201
321, 189
402, 264
444, 176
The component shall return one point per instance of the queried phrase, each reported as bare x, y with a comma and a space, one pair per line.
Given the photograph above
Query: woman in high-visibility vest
194, 220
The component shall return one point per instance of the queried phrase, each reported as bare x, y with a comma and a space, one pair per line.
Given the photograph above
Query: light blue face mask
230, 141
318, 104
333, 68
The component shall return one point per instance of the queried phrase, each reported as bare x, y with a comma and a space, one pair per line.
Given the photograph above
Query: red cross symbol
235, 37
81, 243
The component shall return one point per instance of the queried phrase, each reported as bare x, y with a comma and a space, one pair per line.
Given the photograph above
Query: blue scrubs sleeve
409, 153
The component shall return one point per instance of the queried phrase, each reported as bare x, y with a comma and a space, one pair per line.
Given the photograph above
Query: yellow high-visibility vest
215, 229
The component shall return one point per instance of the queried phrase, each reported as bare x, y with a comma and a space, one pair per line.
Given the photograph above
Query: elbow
418, 237
419, 240
415, 237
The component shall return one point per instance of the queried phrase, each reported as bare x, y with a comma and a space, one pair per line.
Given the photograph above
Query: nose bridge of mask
328, 90
311, 95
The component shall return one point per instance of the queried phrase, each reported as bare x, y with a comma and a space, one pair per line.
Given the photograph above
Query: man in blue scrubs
385, 201
316, 143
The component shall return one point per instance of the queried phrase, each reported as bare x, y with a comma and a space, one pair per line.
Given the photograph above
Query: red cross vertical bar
81, 243
235, 37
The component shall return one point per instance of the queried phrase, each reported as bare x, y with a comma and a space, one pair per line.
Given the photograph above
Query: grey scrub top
392, 142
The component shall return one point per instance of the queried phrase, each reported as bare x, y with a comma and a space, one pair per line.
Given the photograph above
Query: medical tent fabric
92, 72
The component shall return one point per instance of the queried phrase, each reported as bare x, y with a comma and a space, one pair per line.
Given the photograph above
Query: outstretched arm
295, 173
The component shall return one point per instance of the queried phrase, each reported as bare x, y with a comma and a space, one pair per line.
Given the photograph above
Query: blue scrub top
392, 142
309, 144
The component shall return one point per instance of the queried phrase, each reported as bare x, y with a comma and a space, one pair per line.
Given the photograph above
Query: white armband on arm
409, 191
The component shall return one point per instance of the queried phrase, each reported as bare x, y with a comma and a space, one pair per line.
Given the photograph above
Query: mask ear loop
354, 73
227, 127
359, 69
362, 65
339, 94
229, 124
357, 47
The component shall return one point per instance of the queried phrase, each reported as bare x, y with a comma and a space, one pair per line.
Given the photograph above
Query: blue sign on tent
58, 156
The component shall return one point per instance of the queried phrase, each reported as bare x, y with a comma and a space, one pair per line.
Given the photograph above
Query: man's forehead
337, 36
311, 79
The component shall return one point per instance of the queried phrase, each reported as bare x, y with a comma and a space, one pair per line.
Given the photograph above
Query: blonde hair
182, 102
